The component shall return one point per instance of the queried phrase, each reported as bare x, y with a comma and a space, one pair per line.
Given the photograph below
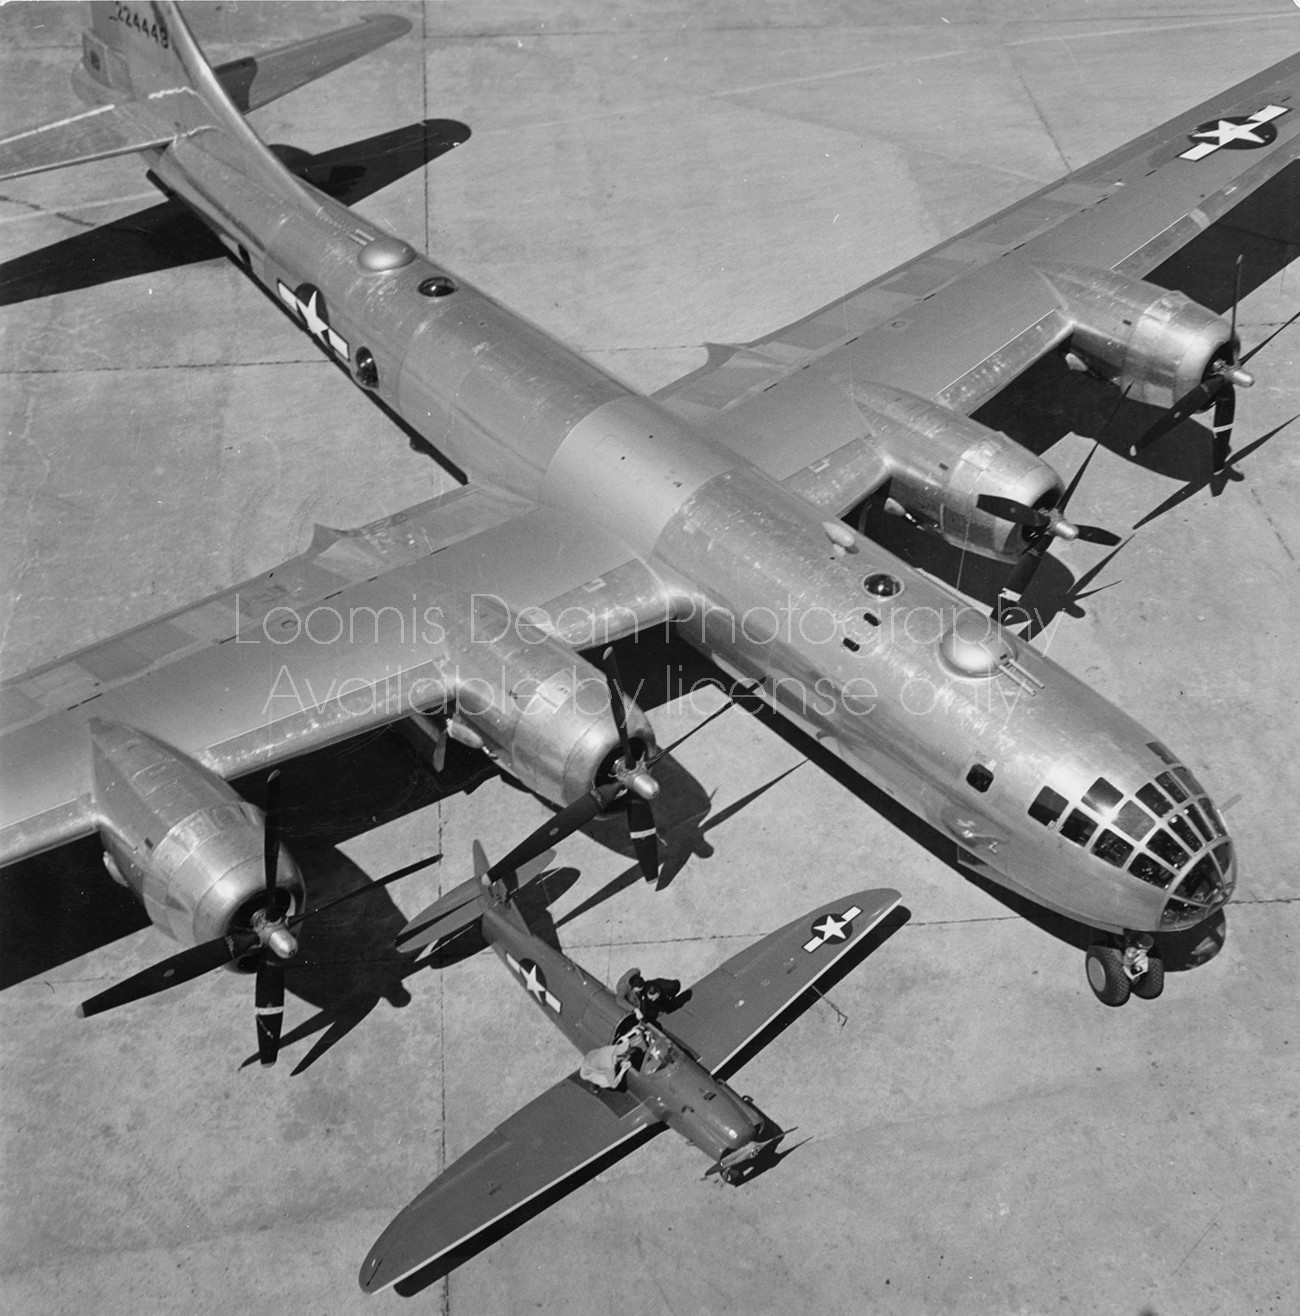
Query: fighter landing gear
1127, 967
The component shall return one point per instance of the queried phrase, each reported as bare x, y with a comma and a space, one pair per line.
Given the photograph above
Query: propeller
269, 935
1222, 378
1041, 527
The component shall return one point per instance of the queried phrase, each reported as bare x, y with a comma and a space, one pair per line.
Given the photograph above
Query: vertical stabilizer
132, 50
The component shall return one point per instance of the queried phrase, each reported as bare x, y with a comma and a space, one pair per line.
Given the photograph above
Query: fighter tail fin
463, 905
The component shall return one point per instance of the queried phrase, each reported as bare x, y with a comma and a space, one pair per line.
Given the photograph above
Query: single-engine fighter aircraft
644, 1069
593, 512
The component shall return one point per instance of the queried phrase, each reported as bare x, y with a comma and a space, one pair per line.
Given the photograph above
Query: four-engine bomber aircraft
662, 1068
593, 512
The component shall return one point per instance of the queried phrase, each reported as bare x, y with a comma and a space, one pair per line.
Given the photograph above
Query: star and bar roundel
1236, 133
307, 303
534, 982
831, 928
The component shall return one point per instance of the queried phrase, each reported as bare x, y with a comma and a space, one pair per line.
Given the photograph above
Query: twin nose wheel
1117, 972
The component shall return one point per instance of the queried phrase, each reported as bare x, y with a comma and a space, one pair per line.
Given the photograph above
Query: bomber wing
958, 323
549, 1141
727, 1009
362, 629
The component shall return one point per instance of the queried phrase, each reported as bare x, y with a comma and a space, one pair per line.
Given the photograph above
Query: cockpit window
1114, 849
1078, 827
1146, 868
1199, 819
1048, 806
1168, 849
1171, 787
1154, 800
1134, 821
1185, 776
1102, 796
1183, 830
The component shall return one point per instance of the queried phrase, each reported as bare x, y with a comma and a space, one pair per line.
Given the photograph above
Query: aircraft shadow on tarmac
438, 1270
168, 235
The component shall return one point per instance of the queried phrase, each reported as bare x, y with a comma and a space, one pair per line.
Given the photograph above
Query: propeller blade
1236, 297
1188, 405
1225, 411
356, 891
1094, 534
645, 840
617, 706
271, 843
569, 820
1007, 509
1076, 478
270, 1006
190, 963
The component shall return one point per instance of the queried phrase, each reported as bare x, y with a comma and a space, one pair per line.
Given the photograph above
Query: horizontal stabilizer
96, 134
459, 908
259, 79
463, 905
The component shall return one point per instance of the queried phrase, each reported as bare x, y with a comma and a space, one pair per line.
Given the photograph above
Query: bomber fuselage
1042, 783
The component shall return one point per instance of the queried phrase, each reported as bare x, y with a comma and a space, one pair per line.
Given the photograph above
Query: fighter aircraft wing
539, 1148
365, 627
727, 1009
958, 323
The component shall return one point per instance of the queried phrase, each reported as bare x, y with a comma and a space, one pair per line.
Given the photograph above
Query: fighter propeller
1041, 527
269, 937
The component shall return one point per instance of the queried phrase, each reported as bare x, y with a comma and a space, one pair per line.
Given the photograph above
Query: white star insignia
534, 984
834, 927
1227, 132
313, 321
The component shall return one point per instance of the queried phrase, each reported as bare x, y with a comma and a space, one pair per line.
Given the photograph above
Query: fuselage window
1133, 820
1078, 827
881, 585
1154, 800
1048, 806
1102, 796
1146, 868
438, 285
980, 777
1168, 849
367, 370
1161, 752
1113, 848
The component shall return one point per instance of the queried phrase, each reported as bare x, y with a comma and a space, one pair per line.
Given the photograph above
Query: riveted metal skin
1154, 342
183, 841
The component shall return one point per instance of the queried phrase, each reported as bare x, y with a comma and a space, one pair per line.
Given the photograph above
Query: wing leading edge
958, 323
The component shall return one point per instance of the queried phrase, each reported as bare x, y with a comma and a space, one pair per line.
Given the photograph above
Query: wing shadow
168, 235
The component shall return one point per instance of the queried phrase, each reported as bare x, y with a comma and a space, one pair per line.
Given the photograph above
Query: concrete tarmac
976, 1133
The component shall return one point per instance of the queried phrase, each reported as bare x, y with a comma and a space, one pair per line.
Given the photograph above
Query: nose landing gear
1129, 967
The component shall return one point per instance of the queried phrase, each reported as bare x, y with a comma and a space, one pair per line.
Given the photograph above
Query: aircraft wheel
1152, 982
1106, 976
730, 1175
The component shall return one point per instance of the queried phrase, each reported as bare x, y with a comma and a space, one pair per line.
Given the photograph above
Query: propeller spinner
1041, 526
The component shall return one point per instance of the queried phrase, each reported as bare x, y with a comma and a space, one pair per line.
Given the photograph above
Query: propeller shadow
168, 235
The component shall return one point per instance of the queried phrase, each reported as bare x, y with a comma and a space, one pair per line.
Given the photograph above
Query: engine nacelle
1156, 343
537, 707
940, 462
180, 838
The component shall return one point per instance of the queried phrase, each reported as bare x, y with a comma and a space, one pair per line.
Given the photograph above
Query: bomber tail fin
149, 83
463, 906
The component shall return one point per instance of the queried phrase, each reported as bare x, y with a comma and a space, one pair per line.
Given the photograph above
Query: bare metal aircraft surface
715, 507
